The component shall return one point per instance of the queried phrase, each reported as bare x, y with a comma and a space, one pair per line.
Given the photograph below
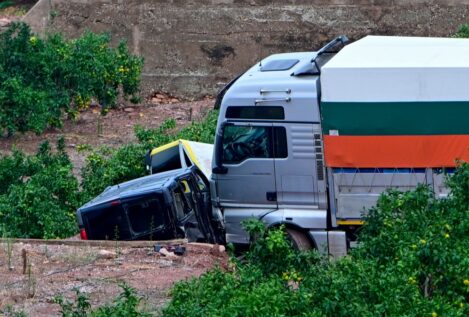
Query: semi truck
310, 140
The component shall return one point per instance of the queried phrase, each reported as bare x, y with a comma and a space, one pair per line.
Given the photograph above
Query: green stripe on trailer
395, 118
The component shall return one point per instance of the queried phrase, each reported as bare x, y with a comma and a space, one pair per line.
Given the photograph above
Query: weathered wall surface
191, 46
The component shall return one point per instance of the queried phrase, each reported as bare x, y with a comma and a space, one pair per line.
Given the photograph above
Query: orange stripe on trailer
419, 151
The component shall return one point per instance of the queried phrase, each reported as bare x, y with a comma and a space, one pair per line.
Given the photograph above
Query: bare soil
53, 270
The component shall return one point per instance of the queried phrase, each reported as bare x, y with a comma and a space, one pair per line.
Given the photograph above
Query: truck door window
145, 214
244, 142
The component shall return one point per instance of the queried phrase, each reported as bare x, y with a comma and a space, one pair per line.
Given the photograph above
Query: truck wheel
299, 240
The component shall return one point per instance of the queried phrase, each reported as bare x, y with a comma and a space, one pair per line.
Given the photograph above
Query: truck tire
299, 240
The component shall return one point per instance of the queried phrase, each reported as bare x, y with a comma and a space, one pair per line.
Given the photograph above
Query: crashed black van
168, 205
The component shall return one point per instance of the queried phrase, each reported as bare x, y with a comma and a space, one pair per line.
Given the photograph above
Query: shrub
126, 304
42, 78
413, 260
105, 167
39, 194
198, 131
463, 31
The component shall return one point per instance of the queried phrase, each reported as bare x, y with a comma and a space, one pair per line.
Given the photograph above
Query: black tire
299, 240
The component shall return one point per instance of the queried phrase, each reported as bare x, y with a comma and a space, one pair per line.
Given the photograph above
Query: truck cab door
248, 159
299, 168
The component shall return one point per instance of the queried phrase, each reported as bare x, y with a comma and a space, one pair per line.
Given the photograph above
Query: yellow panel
164, 147
350, 222
191, 154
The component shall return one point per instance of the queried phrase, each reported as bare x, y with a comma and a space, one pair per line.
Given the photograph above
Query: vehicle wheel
299, 240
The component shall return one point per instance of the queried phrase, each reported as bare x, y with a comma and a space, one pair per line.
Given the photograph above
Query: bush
463, 31
38, 194
42, 78
105, 167
126, 304
198, 131
413, 260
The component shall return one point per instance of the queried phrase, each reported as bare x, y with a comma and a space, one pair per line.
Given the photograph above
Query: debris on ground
161, 98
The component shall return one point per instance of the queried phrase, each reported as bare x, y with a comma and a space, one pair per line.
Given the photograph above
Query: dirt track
60, 269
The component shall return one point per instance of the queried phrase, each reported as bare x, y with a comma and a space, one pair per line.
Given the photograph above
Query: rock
173, 100
105, 254
160, 96
4, 22
164, 263
165, 252
179, 250
129, 109
215, 250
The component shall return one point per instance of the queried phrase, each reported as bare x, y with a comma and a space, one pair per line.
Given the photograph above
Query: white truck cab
268, 159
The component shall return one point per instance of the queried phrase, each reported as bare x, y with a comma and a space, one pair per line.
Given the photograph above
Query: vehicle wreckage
168, 205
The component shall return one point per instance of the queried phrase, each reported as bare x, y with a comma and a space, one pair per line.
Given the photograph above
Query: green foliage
6, 4
126, 304
463, 31
38, 194
198, 131
152, 138
9, 311
105, 167
201, 131
40, 79
413, 260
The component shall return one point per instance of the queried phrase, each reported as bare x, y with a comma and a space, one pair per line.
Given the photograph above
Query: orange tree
41, 79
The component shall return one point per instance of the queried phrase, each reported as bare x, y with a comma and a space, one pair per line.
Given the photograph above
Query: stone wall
191, 47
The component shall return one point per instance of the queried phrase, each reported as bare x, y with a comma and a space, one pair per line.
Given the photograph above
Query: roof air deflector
313, 68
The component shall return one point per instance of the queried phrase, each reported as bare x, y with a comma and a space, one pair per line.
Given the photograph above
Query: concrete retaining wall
191, 47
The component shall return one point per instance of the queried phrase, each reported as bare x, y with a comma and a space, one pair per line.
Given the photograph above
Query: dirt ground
53, 270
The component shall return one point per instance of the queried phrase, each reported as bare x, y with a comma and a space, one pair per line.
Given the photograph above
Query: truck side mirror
218, 167
148, 161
